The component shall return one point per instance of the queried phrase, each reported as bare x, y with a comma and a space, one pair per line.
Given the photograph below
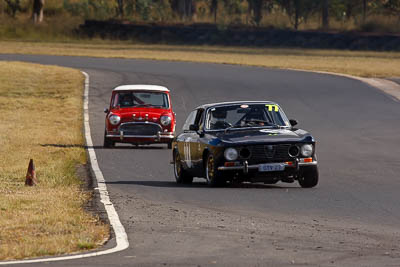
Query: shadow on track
101, 147
172, 184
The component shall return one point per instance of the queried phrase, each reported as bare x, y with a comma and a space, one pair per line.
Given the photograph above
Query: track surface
351, 219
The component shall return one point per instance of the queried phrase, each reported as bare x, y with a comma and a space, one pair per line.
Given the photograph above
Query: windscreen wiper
143, 105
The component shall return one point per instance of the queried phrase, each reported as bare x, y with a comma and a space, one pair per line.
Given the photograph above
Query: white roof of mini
141, 87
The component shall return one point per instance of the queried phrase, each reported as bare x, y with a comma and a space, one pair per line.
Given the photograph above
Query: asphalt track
357, 131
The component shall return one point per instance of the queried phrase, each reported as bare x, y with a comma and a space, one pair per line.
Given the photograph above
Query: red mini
139, 115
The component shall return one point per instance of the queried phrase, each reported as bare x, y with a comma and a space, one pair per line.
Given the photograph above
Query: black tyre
169, 145
213, 176
181, 176
107, 142
309, 177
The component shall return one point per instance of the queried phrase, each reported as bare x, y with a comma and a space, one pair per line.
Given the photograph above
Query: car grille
268, 153
140, 128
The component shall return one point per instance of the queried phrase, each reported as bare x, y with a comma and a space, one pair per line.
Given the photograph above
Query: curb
119, 230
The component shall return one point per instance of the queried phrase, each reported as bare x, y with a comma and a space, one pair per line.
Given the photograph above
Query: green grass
40, 109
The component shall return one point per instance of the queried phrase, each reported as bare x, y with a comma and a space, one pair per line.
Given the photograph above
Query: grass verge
364, 64
41, 118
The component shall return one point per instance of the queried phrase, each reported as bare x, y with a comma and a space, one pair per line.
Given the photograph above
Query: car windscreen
141, 99
245, 115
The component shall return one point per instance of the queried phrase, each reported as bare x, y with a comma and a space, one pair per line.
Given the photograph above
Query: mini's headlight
114, 119
307, 150
165, 120
231, 154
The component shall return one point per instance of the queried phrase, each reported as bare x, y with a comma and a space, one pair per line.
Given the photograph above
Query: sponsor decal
186, 148
270, 132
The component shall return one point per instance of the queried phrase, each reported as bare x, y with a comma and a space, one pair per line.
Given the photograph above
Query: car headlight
307, 150
231, 154
165, 120
114, 119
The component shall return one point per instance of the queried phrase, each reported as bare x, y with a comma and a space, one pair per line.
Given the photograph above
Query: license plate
271, 167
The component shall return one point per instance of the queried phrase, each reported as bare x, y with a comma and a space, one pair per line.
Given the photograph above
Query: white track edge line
119, 230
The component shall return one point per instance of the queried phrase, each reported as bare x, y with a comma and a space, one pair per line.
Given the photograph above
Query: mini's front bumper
165, 137
245, 167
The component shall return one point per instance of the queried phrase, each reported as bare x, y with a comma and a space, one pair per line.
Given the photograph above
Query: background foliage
61, 18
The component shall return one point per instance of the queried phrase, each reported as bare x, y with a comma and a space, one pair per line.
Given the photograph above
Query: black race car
244, 141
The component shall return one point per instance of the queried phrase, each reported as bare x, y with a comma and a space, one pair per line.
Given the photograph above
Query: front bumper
165, 137
245, 167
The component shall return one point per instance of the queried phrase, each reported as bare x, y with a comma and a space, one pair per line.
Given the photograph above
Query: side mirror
293, 122
106, 110
193, 127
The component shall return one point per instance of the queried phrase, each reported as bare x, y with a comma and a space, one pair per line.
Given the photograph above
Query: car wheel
309, 177
213, 176
107, 142
181, 176
169, 145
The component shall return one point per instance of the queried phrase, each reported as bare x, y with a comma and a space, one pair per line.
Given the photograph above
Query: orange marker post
31, 174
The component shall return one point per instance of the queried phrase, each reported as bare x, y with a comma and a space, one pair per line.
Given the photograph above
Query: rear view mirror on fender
293, 122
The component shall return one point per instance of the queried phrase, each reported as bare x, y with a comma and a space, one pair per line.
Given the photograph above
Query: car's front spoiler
245, 167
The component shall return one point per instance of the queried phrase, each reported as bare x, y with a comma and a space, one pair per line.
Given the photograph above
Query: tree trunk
249, 11
349, 11
214, 9
120, 8
38, 11
189, 9
364, 10
296, 14
182, 9
14, 7
258, 6
325, 14
186, 9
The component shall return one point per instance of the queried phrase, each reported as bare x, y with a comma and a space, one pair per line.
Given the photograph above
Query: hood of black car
264, 136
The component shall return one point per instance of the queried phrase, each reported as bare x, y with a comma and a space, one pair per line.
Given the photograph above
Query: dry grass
41, 108
365, 64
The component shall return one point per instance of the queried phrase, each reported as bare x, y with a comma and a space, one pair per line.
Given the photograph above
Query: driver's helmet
125, 100
255, 114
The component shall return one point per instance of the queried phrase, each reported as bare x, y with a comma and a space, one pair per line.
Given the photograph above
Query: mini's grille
140, 128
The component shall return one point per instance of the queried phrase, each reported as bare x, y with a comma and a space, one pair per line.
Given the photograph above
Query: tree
365, 4
298, 10
214, 9
184, 8
256, 8
393, 6
120, 8
13, 7
325, 14
37, 15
